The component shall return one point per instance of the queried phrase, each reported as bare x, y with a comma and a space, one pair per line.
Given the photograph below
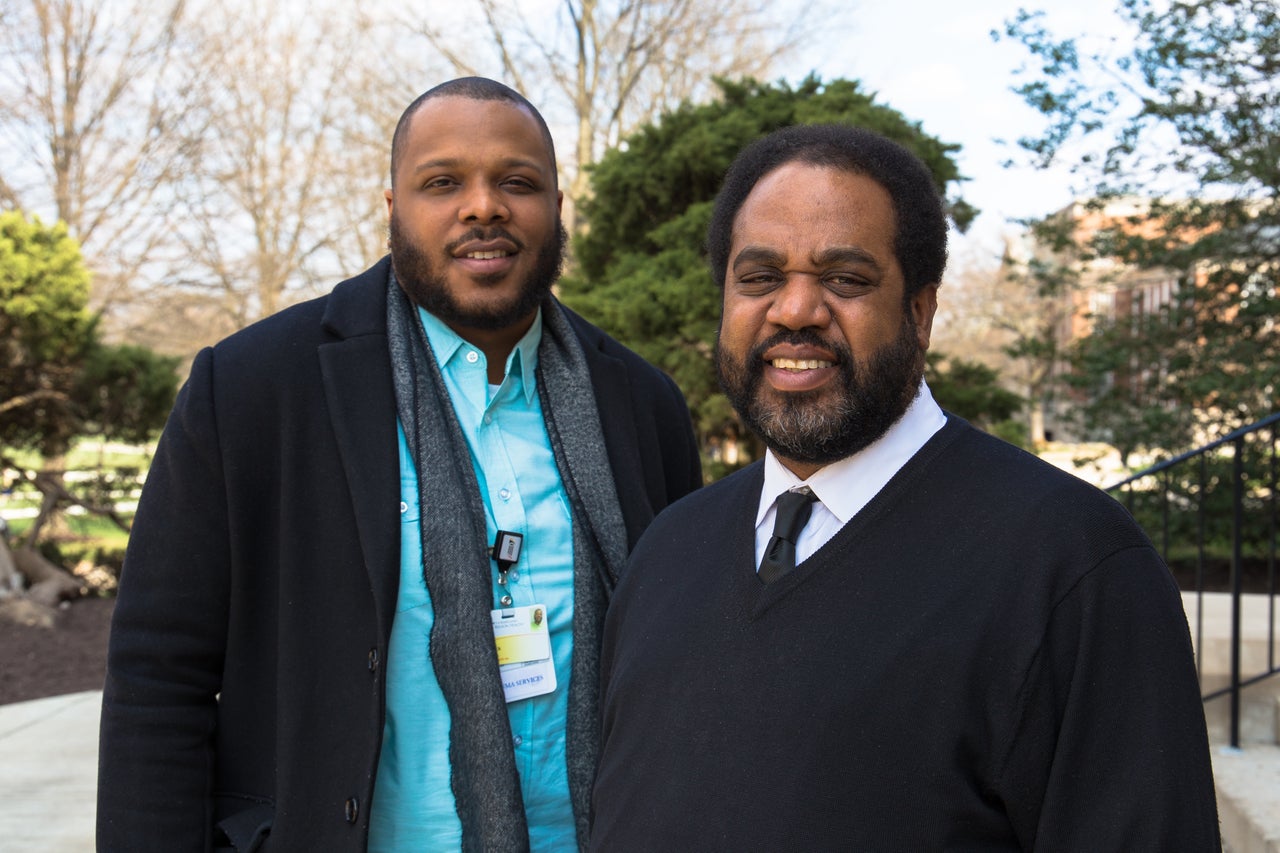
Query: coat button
373, 659
352, 810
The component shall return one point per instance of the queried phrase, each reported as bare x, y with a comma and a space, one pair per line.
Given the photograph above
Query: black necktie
780, 555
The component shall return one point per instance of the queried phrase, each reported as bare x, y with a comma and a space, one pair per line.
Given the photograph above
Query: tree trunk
49, 583
1036, 423
10, 579
52, 487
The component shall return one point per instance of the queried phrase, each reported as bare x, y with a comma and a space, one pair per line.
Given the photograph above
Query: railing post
1215, 450
1237, 584
1202, 490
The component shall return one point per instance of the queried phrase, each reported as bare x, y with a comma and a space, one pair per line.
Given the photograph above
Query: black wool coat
245, 680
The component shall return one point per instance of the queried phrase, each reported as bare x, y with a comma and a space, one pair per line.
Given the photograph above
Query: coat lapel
356, 369
612, 388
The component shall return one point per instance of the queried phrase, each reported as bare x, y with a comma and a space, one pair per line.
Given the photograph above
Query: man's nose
799, 304
483, 203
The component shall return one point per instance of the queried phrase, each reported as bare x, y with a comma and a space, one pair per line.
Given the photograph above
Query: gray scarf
460, 575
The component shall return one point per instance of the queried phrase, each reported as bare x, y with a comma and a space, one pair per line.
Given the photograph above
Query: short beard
834, 422
429, 290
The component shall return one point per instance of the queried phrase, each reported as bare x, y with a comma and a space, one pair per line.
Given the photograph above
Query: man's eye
760, 282
438, 183
842, 283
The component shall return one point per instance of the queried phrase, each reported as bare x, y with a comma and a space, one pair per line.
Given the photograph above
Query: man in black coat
246, 703
895, 632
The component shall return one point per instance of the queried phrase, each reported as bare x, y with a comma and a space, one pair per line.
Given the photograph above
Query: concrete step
1259, 650
1248, 784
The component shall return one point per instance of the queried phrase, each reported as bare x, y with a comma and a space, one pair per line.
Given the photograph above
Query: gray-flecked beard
829, 423
429, 290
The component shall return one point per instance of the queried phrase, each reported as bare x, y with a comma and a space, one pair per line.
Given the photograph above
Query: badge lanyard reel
506, 553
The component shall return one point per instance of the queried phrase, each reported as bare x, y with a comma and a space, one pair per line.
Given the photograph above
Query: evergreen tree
45, 329
972, 390
60, 381
641, 271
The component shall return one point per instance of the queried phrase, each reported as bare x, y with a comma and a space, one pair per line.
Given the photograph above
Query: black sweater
989, 656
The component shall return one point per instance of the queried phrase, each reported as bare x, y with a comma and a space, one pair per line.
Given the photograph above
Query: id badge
523, 641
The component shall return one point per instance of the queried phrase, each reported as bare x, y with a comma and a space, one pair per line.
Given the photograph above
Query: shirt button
473, 357
517, 740
514, 576
488, 419
404, 507
505, 494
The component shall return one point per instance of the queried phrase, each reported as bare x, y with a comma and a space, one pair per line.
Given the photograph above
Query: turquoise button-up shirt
413, 806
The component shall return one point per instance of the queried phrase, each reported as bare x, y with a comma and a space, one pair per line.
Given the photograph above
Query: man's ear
923, 306
387, 195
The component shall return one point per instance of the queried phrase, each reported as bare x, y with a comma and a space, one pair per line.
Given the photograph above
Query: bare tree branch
28, 399
278, 166
92, 93
616, 64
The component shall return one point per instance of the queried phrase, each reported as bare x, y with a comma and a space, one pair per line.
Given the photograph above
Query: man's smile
799, 364
796, 366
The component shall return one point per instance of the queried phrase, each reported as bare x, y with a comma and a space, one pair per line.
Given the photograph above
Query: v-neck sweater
990, 655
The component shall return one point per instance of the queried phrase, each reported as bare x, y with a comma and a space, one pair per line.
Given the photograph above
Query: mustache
493, 232
797, 337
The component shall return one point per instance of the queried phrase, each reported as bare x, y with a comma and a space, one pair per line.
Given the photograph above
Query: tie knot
793, 513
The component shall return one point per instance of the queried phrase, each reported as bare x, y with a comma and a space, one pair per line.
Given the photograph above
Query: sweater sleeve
1109, 751
167, 643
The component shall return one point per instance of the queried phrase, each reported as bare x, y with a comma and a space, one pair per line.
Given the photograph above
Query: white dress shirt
846, 486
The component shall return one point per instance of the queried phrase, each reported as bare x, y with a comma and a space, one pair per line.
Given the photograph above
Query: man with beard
362, 601
963, 649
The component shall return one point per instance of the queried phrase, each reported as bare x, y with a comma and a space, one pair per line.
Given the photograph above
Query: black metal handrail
1252, 524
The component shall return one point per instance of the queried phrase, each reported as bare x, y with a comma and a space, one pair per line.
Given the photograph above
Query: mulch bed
68, 658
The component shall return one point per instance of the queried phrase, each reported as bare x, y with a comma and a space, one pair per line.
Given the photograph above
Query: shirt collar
847, 485
521, 363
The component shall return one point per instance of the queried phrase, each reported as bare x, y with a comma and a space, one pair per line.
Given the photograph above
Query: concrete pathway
49, 765
49, 773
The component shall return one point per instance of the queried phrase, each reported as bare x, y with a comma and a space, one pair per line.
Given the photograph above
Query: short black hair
475, 89
920, 217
